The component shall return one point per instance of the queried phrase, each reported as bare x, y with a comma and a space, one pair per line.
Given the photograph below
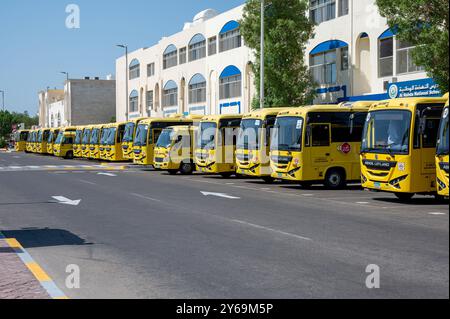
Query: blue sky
35, 45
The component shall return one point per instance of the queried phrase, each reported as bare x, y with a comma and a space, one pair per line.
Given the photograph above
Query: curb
46, 282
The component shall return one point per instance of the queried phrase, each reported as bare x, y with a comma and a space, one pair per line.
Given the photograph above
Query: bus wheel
186, 168
268, 179
173, 171
69, 155
226, 175
404, 196
335, 179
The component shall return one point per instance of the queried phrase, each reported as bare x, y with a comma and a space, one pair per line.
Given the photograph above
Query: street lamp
262, 70
67, 75
123, 46
3, 100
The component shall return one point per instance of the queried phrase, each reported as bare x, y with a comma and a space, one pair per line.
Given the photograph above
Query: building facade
204, 69
207, 69
46, 99
82, 102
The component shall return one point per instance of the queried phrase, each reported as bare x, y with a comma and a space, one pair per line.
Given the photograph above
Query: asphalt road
144, 234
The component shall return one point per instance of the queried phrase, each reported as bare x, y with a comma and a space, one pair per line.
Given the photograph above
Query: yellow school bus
63, 146
174, 150
111, 149
399, 146
42, 141
34, 136
77, 151
147, 134
29, 144
21, 138
85, 141
52, 136
128, 138
318, 144
95, 141
253, 144
216, 144
442, 153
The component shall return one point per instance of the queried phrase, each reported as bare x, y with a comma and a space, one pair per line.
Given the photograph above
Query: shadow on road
418, 201
44, 237
28, 203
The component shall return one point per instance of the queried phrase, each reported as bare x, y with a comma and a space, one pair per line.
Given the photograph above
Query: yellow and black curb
44, 279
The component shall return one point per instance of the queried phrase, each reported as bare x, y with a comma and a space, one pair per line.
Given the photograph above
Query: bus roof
182, 128
165, 120
218, 118
324, 108
263, 113
137, 120
406, 103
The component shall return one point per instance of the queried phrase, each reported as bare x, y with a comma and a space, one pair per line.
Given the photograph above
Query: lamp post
67, 75
123, 46
3, 100
262, 70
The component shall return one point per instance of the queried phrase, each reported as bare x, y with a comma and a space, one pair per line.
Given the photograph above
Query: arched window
134, 69
197, 47
134, 101
230, 83
170, 58
230, 36
170, 94
323, 61
197, 89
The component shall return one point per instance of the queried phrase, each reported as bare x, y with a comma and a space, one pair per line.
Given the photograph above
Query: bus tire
187, 168
335, 178
226, 175
69, 155
268, 179
404, 196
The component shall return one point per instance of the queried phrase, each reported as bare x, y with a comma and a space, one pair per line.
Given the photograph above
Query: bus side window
429, 137
320, 135
68, 140
270, 123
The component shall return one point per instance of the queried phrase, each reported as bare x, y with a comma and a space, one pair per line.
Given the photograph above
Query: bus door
319, 148
428, 133
228, 130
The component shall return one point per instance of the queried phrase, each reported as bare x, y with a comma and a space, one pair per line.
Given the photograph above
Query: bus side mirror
352, 123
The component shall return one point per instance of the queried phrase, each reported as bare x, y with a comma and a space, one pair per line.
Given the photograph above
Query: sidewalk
16, 280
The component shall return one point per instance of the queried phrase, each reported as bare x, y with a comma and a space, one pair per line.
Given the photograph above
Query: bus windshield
105, 135
129, 132
141, 135
111, 140
387, 132
207, 135
78, 137
166, 138
50, 137
94, 136
287, 134
248, 137
59, 138
443, 143
40, 137
86, 136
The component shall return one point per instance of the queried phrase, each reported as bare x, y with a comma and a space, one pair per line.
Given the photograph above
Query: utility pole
3, 100
123, 46
261, 88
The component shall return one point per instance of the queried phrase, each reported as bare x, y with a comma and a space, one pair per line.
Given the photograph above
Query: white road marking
15, 167
107, 174
307, 195
437, 213
362, 203
65, 201
146, 197
223, 195
86, 182
270, 229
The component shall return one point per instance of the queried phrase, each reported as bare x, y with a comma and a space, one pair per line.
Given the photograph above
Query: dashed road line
146, 197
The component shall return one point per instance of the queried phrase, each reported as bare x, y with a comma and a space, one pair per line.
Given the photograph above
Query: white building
82, 102
206, 68
354, 55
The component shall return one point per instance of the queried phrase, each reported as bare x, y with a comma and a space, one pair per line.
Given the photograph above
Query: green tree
423, 23
7, 120
287, 31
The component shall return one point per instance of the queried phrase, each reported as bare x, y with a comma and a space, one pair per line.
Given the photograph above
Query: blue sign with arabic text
416, 88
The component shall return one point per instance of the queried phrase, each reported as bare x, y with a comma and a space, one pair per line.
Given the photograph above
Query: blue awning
328, 46
230, 71
230, 26
389, 33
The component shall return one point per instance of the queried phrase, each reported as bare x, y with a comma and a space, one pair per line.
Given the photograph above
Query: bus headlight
397, 181
296, 161
441, 184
